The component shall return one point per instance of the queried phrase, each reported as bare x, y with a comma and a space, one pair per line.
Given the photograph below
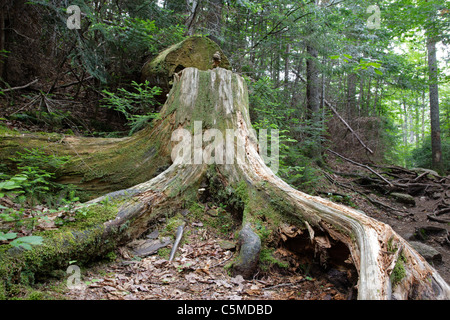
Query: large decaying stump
387, 266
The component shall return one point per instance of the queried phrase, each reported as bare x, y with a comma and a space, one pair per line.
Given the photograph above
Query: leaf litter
198, 272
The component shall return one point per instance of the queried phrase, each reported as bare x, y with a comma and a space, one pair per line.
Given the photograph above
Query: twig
73, 83
21, 87
284, 284
219, 263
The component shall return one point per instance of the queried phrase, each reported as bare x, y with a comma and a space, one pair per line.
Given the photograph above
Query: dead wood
20, 87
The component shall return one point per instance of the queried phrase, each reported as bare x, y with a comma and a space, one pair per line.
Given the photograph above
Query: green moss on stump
195, 51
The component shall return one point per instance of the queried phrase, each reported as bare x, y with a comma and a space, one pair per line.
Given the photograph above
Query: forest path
415, 221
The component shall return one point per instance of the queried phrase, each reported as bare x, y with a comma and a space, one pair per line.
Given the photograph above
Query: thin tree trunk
2, 40
351, 96
313, 96
434, 106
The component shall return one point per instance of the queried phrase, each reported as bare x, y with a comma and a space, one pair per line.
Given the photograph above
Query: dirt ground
410, 221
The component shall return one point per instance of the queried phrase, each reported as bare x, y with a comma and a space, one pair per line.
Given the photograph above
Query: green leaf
347, 56
334, 57
7, 236
377, 71
8, 185
374, 64
26, 242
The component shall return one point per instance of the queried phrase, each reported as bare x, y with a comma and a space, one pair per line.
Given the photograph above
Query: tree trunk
2, 39
434, 107
351, 96
313, 97
387, 267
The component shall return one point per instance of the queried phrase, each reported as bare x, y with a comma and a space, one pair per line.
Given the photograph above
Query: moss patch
83, 240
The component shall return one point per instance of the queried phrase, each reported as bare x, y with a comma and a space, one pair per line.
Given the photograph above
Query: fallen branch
347, 125
363, 166
73, 83
21, 87
329, 105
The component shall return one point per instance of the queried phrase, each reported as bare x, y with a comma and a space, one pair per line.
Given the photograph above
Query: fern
136, 105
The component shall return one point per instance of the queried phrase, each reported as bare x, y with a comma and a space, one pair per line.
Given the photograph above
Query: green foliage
135, 105
399, 272
32, 185
34, 182
267, 260
21, 242
270, 112
115, 35
421, 156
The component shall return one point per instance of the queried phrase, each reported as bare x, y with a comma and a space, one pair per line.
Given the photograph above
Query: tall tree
436, 149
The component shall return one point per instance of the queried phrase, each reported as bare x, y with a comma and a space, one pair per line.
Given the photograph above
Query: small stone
404, 198
227, 245
149, 247
250, 247
153, 235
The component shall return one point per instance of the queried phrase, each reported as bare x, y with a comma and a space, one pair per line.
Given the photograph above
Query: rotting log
386, 265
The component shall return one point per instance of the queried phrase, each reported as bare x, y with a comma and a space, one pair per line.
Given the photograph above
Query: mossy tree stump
218, 98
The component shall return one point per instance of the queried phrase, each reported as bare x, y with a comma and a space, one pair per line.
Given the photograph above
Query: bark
351, 96
434, 106
313, 96
2, 38
338, 234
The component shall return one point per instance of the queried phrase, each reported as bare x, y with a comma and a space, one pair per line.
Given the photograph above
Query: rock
250, 247
422, 170
404, 198
153, 235
436, 195
227, 245
426, 251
